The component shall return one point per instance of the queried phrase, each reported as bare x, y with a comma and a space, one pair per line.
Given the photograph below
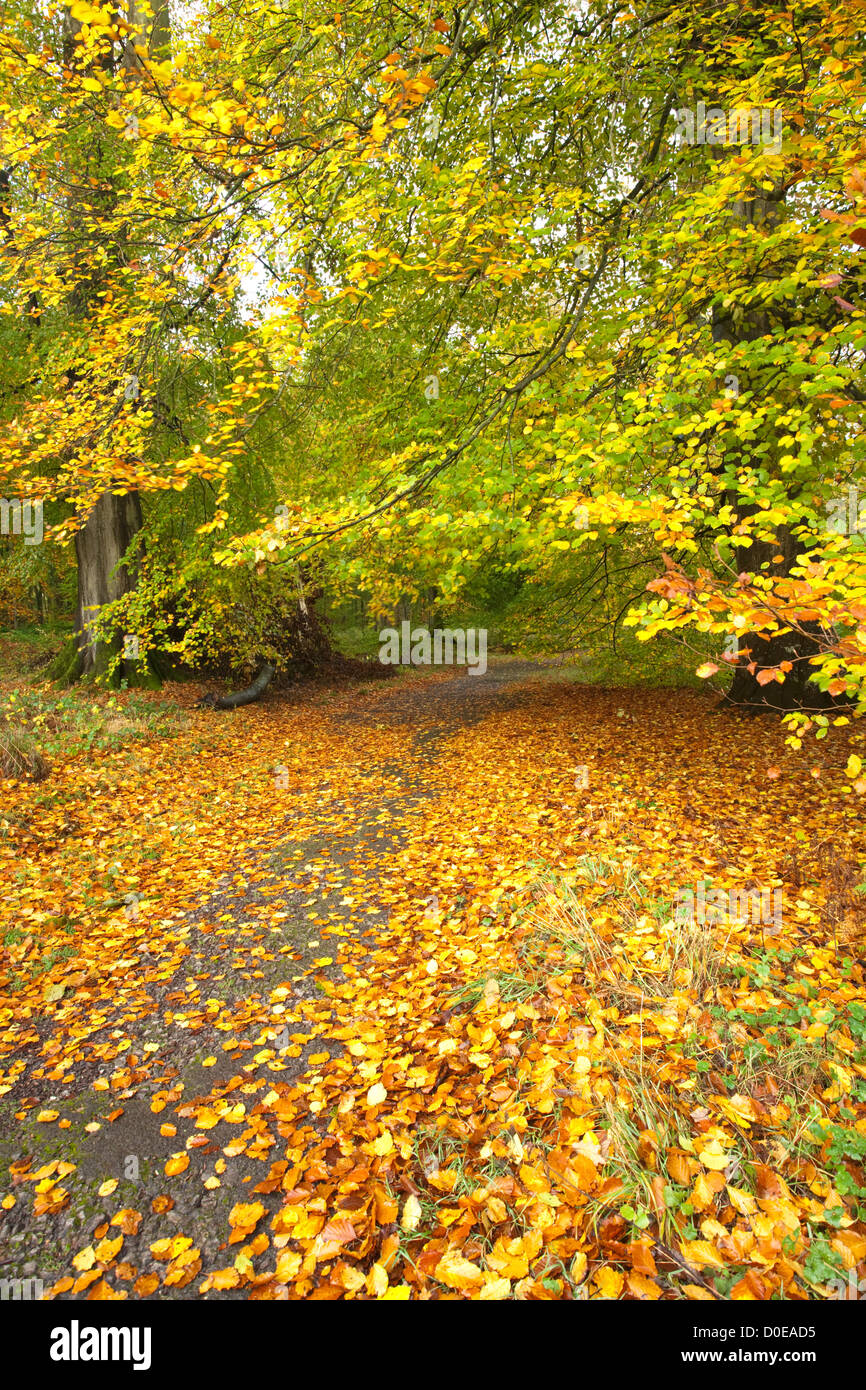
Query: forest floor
379, 992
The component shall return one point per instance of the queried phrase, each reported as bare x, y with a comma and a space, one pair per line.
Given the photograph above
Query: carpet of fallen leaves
527, 1079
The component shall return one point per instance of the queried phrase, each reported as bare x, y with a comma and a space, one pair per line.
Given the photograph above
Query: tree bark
765, 210
113, 522
104, 576
241, 697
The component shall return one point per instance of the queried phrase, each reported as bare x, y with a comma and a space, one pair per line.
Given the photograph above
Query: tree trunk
794, 646
765, 210
103, 577
113, 522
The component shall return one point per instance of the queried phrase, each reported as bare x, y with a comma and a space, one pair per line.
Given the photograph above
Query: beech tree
566, 294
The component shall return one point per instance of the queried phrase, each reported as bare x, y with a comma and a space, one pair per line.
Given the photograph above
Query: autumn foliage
385, 991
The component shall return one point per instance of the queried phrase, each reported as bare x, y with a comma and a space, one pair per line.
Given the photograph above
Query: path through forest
337, 1041
292, 873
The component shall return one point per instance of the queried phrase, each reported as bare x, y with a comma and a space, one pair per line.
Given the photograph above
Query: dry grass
681, 954
19, 758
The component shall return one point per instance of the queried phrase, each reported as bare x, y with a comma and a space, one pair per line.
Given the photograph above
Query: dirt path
300, 877
402, 1009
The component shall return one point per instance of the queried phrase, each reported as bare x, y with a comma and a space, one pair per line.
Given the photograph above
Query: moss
65, 669
142, 675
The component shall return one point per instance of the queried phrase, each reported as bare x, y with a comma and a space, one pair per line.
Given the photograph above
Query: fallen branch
240, 697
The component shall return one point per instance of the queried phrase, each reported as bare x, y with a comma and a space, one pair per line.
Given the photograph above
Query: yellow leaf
411, 1214
106, 1250
512, 1258
288, 1264
246, 1213
458, 1273
642, 1286
496, 1289
608, 1282
348, 1278
713, 1156
741, 1201
700, 1253
377, 1280
703, 1192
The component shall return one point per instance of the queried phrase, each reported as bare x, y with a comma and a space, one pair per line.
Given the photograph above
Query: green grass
41, 724
513, 989
648, 665
24, 650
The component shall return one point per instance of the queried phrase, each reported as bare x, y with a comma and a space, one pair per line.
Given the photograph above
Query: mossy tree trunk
107, 569
104, 575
